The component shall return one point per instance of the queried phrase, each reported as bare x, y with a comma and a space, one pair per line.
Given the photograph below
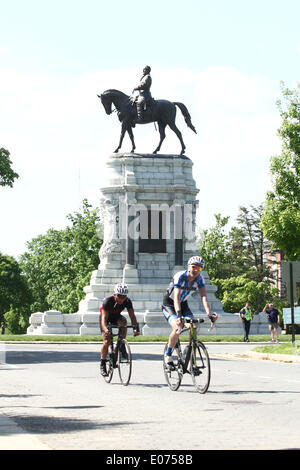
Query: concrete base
151, 324
139, 185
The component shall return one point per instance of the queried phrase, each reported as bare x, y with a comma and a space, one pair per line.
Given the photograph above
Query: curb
287, 358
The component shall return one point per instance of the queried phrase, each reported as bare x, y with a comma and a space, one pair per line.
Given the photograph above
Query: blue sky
223, 60
70, 37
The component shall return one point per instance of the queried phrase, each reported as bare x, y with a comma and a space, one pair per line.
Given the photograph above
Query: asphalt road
54, 394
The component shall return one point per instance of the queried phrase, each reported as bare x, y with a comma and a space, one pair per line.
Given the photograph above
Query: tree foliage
235, 260
7, 175
237, 290
281, 217
14, 292
254, 244
215, 248
59, 264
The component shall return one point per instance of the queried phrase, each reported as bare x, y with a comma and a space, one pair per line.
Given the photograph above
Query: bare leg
123, 322
173, 338
104, 349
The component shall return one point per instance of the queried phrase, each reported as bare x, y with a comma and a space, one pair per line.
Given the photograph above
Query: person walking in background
2, 328
273, 319
246, 316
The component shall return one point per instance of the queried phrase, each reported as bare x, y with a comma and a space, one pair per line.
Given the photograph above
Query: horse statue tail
186, 115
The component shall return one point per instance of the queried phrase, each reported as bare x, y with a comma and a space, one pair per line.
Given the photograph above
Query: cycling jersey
112, 307
187, 288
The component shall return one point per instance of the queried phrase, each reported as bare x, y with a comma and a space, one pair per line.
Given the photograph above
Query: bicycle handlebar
120, 326
194, 320
189, 320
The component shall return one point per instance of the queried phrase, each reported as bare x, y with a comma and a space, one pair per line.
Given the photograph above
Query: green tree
7, 175
14, 292
281, 218
235, 260
215, 248
237, 290
254, 244
238, 251
59, 264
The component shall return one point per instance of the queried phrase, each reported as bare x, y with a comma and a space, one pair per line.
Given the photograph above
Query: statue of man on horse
144, 99
147, 110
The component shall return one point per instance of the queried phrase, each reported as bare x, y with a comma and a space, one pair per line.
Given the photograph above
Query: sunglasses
121, 296
197, 268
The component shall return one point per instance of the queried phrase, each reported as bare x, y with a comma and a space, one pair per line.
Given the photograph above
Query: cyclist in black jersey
110, 312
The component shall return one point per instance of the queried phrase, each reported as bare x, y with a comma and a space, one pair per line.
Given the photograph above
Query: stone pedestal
149, 208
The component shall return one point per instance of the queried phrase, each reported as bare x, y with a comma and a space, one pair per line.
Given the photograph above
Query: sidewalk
275, 357
13, 437
288, 358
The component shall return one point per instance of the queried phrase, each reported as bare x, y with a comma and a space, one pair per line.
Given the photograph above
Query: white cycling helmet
197, 261
121, 289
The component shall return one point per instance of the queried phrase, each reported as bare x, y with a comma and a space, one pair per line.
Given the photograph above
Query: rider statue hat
144, 93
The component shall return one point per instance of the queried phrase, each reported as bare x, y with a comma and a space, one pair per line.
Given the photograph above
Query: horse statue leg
130, 133
123, 130
161, 127
175, 129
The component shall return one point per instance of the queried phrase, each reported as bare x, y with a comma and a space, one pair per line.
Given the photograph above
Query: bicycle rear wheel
200, 367
124, 362
173, 377
109, 370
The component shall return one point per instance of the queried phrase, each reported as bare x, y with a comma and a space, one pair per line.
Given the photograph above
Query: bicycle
194, 361
119, 356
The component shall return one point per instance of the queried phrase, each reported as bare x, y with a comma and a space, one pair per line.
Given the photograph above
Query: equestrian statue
143, 110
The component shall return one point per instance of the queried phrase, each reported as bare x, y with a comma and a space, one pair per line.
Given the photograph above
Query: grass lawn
286, 348
161, 339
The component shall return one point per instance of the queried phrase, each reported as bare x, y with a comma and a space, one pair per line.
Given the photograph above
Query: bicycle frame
192, 338
114, 355
114, 352
196, 362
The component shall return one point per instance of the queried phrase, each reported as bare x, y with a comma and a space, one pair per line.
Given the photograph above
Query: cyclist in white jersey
175, 307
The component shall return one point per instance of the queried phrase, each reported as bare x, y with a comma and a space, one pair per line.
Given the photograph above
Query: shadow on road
42, 357
53, 425
18, 396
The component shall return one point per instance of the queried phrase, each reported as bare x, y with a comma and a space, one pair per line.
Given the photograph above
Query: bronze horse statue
161, 111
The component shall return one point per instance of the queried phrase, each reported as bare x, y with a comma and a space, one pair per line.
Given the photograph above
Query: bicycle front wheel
124, 362
109, 370
173, 377
200, 367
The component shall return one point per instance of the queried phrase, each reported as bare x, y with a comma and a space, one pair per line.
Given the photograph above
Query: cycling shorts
113, 318
170, 314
